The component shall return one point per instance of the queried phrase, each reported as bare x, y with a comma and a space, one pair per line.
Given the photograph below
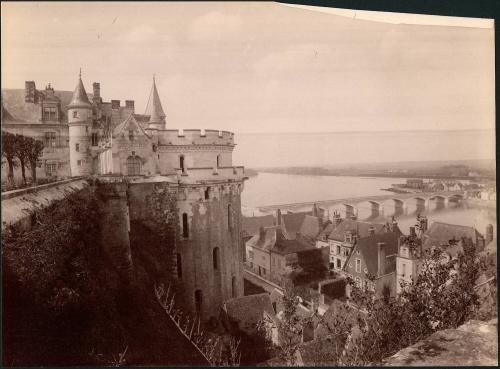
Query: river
273, 188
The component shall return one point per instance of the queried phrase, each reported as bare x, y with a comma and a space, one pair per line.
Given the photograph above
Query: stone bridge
376, 203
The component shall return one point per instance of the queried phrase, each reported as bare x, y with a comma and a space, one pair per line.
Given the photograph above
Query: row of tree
22, 150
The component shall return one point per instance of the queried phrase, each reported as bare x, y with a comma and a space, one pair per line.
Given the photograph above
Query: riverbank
382, 173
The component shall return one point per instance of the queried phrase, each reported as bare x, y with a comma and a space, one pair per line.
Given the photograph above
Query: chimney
412, 232
30, 95
489, 233
381, 258
115, 104
394, 224
337, 219
371, 230
278, 216
262, 233
130, 104
96, 91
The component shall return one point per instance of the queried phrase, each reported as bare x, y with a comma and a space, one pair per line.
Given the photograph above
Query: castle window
358, 265
216, 258
75, 114
50, 139
77, 147
49, 113
198, 301
218, 161
179, 266
185, 225
233, 287
131, 135
94, 139
79, 163
51, 169
181, 163
207, 193
133, 166
230, 216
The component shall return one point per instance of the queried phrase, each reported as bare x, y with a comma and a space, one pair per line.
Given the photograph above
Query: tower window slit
185, 225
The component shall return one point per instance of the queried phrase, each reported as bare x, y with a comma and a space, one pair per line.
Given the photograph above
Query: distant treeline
443, 172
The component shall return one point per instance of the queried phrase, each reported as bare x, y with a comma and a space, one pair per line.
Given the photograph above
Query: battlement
211, 174
195, 137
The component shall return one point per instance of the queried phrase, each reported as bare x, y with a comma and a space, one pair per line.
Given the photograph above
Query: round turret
80, 123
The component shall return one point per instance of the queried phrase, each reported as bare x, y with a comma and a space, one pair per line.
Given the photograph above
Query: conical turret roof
157, 115
80, 98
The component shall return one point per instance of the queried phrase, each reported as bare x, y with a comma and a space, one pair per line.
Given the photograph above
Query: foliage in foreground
367, 330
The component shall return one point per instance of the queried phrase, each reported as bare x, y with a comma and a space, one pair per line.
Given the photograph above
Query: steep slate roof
247, 311
368, 249
274, 240
440, 234
157, 115
311, 227
80, 98
326, 231
292, 223
251, 225
13, 101
266, 243
355, 225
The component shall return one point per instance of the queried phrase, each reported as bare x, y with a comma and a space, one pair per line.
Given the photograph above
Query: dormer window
131, 135
75, 114
348, 237
49, 113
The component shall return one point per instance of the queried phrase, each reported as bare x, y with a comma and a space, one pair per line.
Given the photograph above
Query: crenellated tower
80, 124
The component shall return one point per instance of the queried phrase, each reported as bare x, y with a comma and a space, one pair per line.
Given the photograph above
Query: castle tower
157, 116
80, 124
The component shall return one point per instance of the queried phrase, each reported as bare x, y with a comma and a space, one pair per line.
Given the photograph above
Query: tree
22, 149
33, 154
442, 296
9, 144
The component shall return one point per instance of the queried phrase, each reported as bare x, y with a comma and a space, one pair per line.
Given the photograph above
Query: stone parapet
195, 137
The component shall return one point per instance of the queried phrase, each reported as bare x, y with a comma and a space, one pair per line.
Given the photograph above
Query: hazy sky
257, 67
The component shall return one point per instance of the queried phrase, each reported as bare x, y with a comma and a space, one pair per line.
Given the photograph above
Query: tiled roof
275, 240
13, 101
265, 243
311, 227
326, 231
360, 227
440, 234
247, 311
292, 223
79, 98
368, 249
251, 225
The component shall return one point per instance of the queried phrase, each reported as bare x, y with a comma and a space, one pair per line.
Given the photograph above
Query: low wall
474, 343
18, 205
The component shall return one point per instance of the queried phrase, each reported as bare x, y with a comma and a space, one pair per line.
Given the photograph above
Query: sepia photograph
199, 184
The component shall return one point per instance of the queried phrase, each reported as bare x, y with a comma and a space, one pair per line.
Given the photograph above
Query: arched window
207, 193
233, 287
182, 164
218, 161
216, 258
198, 300
185, 225
179, 266
133, 165
230, 216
